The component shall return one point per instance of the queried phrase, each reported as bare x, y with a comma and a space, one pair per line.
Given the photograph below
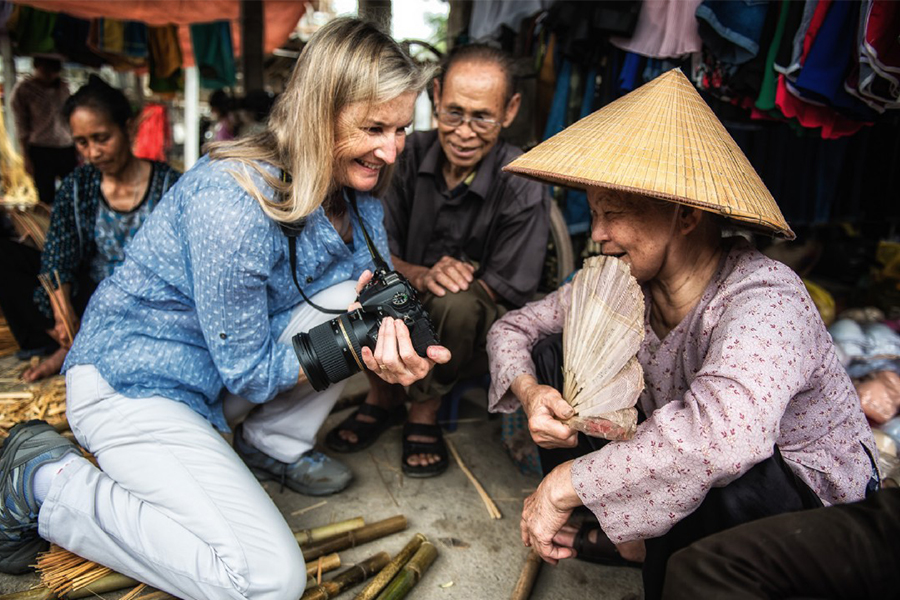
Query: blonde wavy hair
347, 61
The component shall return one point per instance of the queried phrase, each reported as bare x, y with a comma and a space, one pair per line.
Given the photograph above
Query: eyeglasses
455, 119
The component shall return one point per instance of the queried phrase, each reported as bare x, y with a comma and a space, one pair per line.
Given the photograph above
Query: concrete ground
479, 558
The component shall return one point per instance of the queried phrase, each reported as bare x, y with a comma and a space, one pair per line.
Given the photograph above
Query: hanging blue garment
829, 60
628, 76
556, 120
731, 28
577, 211
214, 54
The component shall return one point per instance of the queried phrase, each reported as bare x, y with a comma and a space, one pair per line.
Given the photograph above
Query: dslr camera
331, 352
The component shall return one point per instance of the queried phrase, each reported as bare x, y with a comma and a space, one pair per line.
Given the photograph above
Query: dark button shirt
499, 221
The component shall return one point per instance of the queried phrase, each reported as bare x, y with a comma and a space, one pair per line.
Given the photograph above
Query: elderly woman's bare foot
46, 368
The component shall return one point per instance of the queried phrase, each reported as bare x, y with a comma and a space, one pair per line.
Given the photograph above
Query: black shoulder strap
376, 256
291, 232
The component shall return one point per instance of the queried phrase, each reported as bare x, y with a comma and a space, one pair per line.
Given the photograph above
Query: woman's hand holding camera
394, 359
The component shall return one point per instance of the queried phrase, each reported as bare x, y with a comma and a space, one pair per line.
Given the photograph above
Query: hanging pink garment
665, 29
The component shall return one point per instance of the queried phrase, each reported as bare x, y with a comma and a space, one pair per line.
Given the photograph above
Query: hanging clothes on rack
665, 29
214, 54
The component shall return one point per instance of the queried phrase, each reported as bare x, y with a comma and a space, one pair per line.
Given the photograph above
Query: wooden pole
316, 534
384, 577
529, 574
411, 573
355, 538
349, 578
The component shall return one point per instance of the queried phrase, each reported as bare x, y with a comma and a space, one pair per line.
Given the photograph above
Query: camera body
331, 352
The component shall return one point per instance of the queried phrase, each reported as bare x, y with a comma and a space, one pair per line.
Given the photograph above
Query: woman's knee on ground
278, 571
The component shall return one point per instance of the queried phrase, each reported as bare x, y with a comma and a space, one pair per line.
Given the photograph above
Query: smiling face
369, 138
634, 228
101, 142
474, 89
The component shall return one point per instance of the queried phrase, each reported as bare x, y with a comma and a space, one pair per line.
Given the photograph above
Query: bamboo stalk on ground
349, 578
411, 573
355, 538
492, 509
317, 534
384, 577
323, 564
528, 576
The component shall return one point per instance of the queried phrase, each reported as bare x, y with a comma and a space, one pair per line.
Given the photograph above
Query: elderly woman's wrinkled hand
546, 511
395, 360
545, 409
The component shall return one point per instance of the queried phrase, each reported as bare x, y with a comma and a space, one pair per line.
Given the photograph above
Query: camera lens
330, 352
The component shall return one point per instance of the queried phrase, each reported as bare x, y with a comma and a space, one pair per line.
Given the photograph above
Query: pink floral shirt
750, 367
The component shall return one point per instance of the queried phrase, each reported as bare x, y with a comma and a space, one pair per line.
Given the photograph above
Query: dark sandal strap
423, 430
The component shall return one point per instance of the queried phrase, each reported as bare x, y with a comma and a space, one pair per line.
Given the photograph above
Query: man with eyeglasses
469, 237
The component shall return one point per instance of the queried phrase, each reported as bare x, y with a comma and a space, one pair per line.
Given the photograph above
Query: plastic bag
880, 396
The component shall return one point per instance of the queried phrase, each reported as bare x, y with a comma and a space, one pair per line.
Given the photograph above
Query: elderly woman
748, 411
198, 321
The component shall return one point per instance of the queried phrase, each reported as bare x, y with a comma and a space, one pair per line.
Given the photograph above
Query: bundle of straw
17, 185
59, 307
8, 344
45, 400
64, 572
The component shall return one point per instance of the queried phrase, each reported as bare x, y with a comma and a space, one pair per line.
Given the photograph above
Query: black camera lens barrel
327, 354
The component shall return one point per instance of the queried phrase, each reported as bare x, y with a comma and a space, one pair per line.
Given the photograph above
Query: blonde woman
196, 324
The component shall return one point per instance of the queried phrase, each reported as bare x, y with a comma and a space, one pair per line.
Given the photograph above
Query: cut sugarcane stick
323, 564
529, 574
356, 537
316, 534
410, 575
492, 509
398, 562
349, 578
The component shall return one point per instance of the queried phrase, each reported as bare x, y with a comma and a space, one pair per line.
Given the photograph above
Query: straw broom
528, 576
384, 577
411, 573
59, 308
355, 538
317, 534
349, 578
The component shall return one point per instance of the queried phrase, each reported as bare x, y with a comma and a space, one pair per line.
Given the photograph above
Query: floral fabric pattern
751, 367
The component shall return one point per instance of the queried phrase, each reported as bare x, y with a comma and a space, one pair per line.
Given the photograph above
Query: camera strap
291, 231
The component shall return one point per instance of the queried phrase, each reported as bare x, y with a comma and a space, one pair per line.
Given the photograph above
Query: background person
98, 209
470, 238
37, 103
205, 303
749, 413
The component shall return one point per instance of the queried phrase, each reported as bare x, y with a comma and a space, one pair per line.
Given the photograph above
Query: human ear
437, 94
512, 109
688, 218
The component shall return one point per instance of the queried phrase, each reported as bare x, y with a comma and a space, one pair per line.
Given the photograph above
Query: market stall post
191, 116
9, 80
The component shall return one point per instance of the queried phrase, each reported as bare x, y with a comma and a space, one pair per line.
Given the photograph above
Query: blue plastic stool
449, 411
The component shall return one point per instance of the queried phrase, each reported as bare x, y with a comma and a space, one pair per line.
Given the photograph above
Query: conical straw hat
661, 140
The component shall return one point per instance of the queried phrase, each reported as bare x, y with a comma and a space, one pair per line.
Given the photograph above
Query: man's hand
545, 409
546, 512
447, 275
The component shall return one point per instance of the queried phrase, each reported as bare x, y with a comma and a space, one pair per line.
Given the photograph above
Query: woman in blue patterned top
194, 330
98, 209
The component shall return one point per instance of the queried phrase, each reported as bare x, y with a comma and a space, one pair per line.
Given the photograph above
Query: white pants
173, 505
